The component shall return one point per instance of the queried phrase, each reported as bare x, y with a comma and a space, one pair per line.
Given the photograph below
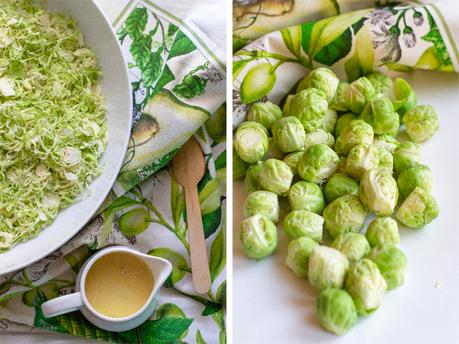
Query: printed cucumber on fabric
399, 38
169, 100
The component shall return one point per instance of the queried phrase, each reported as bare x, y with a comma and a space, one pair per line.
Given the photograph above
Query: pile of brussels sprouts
332, 152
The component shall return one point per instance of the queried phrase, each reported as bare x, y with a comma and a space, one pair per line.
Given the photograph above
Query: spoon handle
198, 253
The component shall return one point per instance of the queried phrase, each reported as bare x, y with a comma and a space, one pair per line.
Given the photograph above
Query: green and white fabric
354, 38
178, 80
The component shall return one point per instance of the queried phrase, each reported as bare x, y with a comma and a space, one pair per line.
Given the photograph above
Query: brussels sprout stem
265, 54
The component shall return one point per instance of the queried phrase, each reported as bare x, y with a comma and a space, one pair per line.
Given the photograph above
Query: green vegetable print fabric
176, 87
394, 39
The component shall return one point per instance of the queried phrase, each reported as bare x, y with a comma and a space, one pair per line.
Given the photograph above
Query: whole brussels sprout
318, 163
327, 268
328, 122
406, 155
292, 160
251, 142
264, 113
336, 311
386, 160
356, 132
299, 251
289, 134
310, 106
416, 176
381, 231
388, 142
306, 196
303, 223
263, 203
380, 114
258, 237
358, 94
339, 185
381, 83
343, 215
391, 262
402, 96
343, 121
418, 209
319, 136
273, 151
361, 158
353, 245
252, 178
275, 176
421, 123
338, 103
322, 79
378, 191
239, 166
366, 285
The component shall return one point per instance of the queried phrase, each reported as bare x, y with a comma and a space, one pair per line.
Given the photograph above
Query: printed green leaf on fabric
135, 24
166, 77
211, 222
435, 37
306, 34
152, 70
199, 338
221, 293
171, 30
210, 196
192, 85
327, 30
179, 264
340, 47
177, 201
211, 308
220, 162
182, 46
76, 325
336, 50
292, 39
161, 331
217, 258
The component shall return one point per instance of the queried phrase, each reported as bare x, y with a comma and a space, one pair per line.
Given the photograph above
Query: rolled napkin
392, 39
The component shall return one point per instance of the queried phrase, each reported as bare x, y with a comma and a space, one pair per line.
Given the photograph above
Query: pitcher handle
62, 305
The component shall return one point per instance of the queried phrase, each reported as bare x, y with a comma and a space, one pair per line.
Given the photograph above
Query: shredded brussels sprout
52, 118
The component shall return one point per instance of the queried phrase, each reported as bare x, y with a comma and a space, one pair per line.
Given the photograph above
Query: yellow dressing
118, 284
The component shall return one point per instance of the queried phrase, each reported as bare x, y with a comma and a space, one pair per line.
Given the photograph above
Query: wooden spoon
189, 167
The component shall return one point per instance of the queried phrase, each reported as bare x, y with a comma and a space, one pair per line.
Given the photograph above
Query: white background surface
271, 305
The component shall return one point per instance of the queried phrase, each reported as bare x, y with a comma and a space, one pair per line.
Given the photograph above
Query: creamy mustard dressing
119, 284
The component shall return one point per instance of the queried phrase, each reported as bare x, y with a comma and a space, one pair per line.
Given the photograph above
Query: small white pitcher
160, 269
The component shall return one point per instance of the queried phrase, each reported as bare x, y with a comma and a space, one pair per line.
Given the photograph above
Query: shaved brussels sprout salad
52, 118
347, 162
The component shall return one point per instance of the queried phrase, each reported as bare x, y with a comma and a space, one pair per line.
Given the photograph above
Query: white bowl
117, 92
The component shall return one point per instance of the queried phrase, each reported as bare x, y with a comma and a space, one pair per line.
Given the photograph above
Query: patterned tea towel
176, 65
353, 38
